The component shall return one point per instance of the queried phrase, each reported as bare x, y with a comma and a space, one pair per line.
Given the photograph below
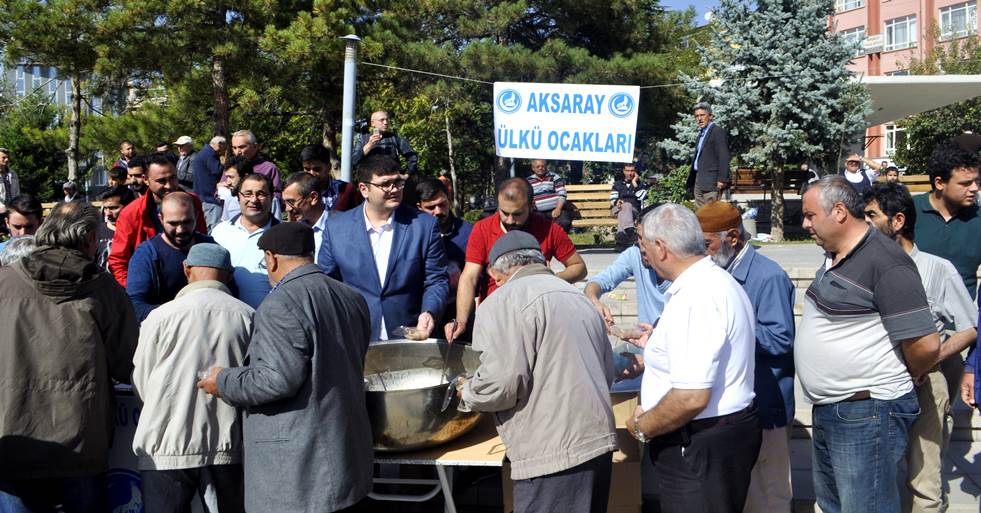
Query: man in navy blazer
392, 254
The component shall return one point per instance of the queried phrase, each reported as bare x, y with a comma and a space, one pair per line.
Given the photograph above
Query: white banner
565, 121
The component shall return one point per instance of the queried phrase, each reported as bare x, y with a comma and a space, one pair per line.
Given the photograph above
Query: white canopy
895, 97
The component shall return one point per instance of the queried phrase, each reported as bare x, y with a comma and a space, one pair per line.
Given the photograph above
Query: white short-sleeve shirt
705, 339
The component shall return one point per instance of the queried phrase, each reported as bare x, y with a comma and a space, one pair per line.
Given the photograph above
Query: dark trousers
584, 488
711, 473
564, 220
171, 491
69, 495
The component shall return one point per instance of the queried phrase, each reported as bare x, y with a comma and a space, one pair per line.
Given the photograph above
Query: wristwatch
637, 433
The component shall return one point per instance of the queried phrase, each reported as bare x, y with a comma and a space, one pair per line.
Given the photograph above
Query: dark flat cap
512, 241
288, 239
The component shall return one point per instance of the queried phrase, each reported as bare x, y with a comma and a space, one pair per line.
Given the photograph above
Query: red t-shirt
555, 244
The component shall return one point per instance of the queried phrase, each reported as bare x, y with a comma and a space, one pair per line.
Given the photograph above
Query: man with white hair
772, 294
245, 144
697, 402
545, 362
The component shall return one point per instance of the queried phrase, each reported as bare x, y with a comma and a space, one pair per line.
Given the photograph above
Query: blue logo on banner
621, 105
125, 495
508, 101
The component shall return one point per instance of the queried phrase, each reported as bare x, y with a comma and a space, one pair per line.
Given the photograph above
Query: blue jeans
74, 495
858, 447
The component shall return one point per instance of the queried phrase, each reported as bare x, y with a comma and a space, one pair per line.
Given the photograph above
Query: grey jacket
307, 438
546, 366
66, 328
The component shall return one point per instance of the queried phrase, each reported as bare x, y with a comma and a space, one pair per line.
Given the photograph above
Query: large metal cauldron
406, 383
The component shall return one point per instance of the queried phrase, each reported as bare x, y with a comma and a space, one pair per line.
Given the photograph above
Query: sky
701, 7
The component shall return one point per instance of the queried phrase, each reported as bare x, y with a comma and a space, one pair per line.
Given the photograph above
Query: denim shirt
772, 294
650, 293
972, 363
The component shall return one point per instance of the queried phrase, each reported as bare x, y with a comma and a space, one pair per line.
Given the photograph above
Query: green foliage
670, 188
275, 66
37, 158
925, 131
785, 94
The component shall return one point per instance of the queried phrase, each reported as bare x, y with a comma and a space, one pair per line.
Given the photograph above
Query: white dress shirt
318, 231
381, 248
705, 339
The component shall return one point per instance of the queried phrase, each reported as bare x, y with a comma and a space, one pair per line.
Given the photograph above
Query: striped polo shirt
547, 190
856, 315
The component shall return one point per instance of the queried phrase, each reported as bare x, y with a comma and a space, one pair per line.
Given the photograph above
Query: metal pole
347, 123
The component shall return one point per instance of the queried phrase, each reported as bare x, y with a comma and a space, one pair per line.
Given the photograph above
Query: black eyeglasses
389, 186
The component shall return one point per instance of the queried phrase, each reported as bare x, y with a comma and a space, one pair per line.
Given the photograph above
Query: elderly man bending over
546, 366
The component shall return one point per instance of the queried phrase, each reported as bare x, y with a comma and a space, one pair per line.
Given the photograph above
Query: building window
959, 20
898, 73
847, 5
36, 77
21, 86
901, 33
53, 84
895, 138
855, 37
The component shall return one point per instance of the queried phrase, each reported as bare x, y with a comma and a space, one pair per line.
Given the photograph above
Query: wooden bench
593, 204
915, 183
745, 180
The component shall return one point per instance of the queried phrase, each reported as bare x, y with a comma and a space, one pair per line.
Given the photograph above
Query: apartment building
892, 33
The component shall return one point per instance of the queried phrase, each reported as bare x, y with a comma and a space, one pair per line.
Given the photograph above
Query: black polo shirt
957, 240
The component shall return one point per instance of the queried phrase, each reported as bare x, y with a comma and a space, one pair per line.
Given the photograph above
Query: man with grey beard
772, 294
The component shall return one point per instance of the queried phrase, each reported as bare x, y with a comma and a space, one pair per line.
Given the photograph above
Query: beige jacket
181, 426
546, 367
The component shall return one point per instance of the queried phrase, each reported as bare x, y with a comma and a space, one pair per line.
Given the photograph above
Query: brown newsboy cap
719, 216
288, 239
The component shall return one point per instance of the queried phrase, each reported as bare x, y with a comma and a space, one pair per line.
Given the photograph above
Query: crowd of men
241, 306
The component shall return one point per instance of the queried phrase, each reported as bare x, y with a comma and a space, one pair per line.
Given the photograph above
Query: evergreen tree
64, 34
785, 95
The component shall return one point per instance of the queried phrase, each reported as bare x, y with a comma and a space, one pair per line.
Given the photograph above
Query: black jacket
713, 162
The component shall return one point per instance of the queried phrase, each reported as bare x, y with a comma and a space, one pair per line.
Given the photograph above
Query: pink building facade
892, 34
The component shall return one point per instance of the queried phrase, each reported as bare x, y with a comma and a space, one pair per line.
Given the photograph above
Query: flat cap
719, 216
208, 254
512, 241
288, 239
182, 140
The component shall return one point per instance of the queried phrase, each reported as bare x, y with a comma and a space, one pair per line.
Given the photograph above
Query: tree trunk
328, 137
220, 92
776, 204
75, 127
449, 153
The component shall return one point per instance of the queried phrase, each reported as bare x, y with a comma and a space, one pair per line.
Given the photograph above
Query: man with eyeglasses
859, 177
650, 302
240, 236
304, 204
408, 283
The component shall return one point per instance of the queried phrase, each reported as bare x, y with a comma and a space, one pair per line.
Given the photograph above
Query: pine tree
785, 95
64, 34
